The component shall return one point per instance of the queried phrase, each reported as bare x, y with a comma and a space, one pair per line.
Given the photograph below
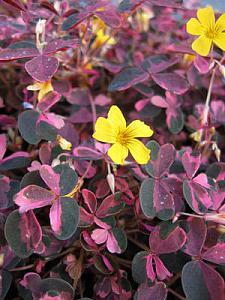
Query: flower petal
116, 117
206, 16
35, 87
194, 27
138, 129
118, 153
139, 151
220, 40
202, 45
104, 131
220, 23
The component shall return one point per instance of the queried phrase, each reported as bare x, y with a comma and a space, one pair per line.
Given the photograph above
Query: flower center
211, 33
122, 138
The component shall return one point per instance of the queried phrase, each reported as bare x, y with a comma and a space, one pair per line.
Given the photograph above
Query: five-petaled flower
209, 31
113, 130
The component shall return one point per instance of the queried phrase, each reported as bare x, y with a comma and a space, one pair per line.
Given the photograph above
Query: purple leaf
171, 82
74, 19
32, 282
218, 110
102, 100
17, 4
199, 279
109, 17
60, 45
191, 163
215, 254
158, 63
174, 241
14, 54
157, 292
52, 119
48, 101
159, 101
90, 200
161, 270
4, 189
197, 196
32, 197
167, 3
112, 244
42, 67
55, 216
85, 217
165, 158
201, 64
83, 115
109, 206
30, 230
79, 96
99, 235
51, 178
196, 236
128, 78
163, 200
2, 145
202, 180
86, 152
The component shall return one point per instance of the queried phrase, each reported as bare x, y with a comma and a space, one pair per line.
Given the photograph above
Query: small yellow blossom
114, 130
63, 143
209, 31
143, 18
97, 24
196, 136
43, 87
102, 38
189, 58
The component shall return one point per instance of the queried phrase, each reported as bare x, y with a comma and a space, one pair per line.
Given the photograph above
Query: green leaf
69, 219
27, 126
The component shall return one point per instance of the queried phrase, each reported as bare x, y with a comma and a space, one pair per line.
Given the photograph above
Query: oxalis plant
112, 180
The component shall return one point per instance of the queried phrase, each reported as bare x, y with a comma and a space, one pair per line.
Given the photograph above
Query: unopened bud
217, 151
111, 182
55, 162
40, 34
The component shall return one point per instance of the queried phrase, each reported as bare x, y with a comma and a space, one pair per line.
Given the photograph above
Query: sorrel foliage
75, 225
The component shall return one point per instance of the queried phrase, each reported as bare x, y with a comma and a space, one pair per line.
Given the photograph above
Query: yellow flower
189, 57
63, 143
101, 38
114, 130
43, 88
209, 31
97, 25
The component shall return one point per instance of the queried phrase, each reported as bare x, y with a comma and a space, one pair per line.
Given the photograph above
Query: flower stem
176, 294
191, 215
206, 109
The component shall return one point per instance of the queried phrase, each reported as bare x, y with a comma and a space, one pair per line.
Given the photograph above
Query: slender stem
22, 268
206, 109
124, 262
176, 294
93, 108
140, 245
191, 215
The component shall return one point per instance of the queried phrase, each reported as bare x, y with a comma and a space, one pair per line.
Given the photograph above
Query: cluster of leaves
73, 225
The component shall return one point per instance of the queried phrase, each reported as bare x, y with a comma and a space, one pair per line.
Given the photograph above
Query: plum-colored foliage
73, 224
